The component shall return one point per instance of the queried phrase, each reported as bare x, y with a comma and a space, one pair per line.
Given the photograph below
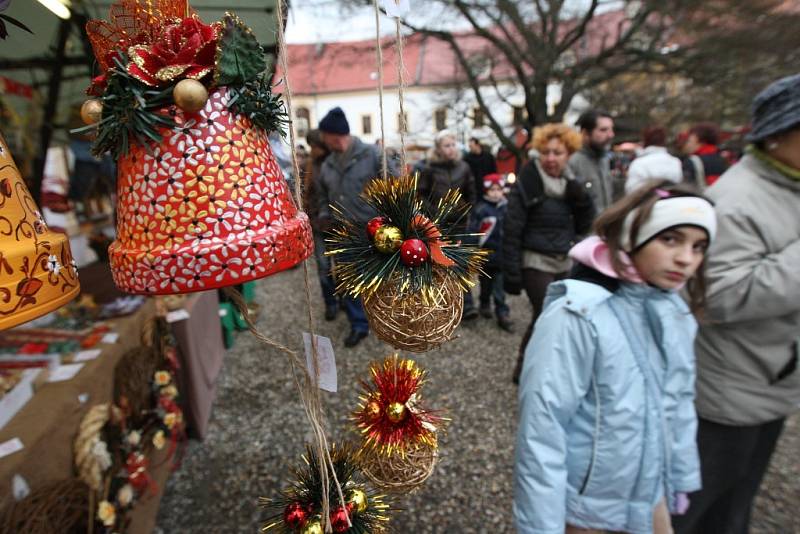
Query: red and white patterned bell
207, 207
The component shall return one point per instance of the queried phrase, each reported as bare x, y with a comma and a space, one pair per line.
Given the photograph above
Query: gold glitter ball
358, 499
388, 239
396, 411
190, 95
373, 409
91, 111
313, 527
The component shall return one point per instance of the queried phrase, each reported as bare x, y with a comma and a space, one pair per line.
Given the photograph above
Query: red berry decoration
339, 520
413, 252
295, 515
374, 224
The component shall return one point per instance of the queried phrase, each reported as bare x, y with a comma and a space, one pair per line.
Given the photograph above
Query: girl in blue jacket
607, 423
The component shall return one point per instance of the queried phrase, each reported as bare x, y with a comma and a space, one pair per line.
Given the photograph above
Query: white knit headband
668, 213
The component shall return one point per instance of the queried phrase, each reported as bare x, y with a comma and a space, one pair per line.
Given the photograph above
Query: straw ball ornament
397, 473
57, 507
411, 321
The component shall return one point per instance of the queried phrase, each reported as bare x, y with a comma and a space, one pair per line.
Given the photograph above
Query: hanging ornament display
410, 267
37, 272
399, 435
186, 109
299, 508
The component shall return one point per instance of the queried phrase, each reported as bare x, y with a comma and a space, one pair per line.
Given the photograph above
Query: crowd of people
661, 357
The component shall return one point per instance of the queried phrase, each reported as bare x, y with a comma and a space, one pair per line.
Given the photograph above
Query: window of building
366, 124
402, 122
478, 118
303, 121
440, 119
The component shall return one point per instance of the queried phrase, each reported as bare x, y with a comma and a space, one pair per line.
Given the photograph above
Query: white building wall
420, 105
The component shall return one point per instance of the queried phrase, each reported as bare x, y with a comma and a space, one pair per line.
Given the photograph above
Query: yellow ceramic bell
37, 273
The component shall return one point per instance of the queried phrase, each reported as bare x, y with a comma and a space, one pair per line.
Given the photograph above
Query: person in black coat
480, 161
548, 209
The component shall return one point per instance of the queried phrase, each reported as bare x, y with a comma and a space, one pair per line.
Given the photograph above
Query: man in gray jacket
592, 163
748, 345
344, 175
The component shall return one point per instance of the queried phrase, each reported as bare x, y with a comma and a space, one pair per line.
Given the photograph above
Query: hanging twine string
308, 388
401, 85
379, 50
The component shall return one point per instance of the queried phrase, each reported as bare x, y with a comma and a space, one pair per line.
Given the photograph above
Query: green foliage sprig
256, 101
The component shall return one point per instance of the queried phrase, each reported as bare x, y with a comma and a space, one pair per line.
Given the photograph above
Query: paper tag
20, 487
83, 397
111, 337
10, 447
65, 372
396, 8
177, 315
86, 355
326, 361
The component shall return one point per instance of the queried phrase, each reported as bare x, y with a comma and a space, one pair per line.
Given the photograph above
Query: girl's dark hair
608, 226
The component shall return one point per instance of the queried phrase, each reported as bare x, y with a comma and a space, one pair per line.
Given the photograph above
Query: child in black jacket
487, 219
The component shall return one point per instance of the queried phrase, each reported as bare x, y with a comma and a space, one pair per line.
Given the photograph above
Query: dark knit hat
776, 109
335, 122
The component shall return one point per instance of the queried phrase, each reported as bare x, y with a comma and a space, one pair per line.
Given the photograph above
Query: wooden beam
50, 109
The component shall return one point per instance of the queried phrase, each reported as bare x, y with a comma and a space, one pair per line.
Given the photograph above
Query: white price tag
20, 487
110, 337
10, 447
65, 372
177, 315
86, 355
326, 361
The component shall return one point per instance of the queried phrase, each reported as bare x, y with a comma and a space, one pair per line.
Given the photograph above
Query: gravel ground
258, 429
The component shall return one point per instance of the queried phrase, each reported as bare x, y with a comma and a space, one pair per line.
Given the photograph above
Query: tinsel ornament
414, 306
398, 449
366, 509
91, 111
190, 95
388, 239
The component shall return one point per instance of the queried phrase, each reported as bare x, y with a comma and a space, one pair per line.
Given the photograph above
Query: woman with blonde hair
548, 209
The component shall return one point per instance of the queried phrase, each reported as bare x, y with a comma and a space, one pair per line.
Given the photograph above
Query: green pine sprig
256, 101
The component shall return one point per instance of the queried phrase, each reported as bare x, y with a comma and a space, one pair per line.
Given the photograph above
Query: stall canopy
48, 71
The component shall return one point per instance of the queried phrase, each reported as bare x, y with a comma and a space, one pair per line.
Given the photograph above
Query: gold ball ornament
358, 499
190, 95
91, 111
396, 411
314, 526
388, 239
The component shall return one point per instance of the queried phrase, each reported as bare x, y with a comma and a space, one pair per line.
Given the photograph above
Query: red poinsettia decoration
185, 49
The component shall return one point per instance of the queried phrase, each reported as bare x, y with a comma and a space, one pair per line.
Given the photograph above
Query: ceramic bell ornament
37, 272
202, 202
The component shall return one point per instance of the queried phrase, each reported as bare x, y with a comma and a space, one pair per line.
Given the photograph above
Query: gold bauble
396, 411
358, 499
91, 111
190, 95
373, 409
388, 239
313, 527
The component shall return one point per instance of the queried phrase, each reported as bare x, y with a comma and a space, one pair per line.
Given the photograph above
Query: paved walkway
258, 429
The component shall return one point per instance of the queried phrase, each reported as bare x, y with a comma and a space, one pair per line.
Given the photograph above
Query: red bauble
374, 224
339, 520
413, 252
295, 515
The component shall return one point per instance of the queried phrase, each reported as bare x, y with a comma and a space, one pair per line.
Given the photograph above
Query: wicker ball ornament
397, 473
407, 321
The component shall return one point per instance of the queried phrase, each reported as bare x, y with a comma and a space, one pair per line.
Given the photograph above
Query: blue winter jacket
607, 421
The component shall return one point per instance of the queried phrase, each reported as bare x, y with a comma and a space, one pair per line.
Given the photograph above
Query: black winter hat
776, 109
335, 122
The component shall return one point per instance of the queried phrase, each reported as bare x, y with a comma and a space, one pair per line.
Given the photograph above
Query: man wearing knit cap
748, 345
344, 175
